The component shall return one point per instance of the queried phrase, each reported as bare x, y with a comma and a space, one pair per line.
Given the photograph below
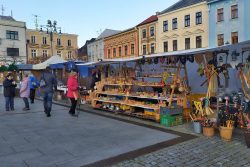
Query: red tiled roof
149, 20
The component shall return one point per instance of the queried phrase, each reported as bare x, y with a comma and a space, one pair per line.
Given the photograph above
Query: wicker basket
226, 133
208, 131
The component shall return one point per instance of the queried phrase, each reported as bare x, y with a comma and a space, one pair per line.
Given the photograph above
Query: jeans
26, 102
32, 95
73, 105
9, 103
47, 102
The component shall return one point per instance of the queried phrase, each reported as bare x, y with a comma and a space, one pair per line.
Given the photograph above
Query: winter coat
72, 87
9, 88
25, 88
33, 82
51, 82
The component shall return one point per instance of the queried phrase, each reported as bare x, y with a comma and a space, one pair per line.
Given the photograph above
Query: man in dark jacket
48, 89
9, 92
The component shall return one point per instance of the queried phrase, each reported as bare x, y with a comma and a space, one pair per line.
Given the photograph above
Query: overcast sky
85, 18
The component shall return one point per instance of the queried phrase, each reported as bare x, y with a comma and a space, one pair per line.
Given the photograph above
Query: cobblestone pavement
199, 152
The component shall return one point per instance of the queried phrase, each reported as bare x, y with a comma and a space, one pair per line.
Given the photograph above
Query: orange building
122, 45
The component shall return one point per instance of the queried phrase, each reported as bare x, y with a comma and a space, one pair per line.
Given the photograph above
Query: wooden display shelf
141, 97
160, 86
123, 103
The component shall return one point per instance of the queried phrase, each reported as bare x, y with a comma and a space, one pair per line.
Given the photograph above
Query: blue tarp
85, 71
24, 66
57, 66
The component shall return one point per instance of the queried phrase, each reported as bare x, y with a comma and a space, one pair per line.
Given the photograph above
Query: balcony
59, 47
33, 45
45, 46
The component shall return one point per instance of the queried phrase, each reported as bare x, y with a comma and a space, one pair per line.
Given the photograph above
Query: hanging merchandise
234, 59
165, 77
168, 60
222, 59
162, 60
183, 59
149, 61
143, 61
190, 58
156, 60
201, 70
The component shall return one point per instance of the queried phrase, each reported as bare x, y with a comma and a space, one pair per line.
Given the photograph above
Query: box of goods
149, 112
171, 110
171, 120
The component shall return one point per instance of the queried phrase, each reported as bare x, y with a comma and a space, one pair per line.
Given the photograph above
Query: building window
59, 53
220, 15
12, 35
144, 49
165, 46
165, 26
187, 43
69, 54
126, 50
175, 45
13, 52
109, 53
152, 31
132, 49
187, 20
58, 42
234, 37
44, 40
175, 24
198, 18
45, 53
198, 42
144, 33
69, 43
152, 48
220, 39
33, 39
234, 11
120, 51
33, 53
114, 52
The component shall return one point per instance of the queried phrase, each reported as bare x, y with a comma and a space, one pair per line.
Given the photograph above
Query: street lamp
51, 28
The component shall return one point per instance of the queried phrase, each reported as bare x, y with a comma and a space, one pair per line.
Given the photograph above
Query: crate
171, 110
171, 120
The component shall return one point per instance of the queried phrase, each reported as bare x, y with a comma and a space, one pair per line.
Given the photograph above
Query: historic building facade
229, 22
147, 31
183, 26
12, 40
96, 47
42, 45
122, 45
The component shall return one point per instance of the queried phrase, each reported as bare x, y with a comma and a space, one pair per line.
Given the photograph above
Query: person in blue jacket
34, 84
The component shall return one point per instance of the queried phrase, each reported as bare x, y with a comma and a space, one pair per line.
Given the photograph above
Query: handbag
42, 82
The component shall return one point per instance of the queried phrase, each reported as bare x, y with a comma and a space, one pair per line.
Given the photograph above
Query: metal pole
51, 42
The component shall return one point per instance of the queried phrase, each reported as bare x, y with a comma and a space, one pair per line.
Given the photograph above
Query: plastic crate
171, 110
171, 120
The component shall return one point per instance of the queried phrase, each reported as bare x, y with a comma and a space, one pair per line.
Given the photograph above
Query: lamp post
51, 28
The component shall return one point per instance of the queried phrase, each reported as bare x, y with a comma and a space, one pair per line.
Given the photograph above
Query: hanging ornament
149, 61
162, 60
168, 60
156, 60
190, 58
183, 59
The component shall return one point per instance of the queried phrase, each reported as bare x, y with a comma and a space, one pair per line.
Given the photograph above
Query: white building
96, 48
12, 40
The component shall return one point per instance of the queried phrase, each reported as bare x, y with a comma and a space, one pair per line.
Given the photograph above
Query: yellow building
42, 45
183, 26
147, 31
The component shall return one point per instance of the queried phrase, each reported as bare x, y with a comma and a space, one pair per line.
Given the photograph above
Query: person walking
48, 84
9, 92
34, 84
72, 93
25, 91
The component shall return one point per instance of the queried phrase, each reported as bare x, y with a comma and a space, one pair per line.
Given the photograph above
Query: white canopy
53, 60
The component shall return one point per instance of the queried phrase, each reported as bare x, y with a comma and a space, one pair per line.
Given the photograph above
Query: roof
7, 18
151, 19
212, 1
120, 32
52, 60
106, 33
181, 4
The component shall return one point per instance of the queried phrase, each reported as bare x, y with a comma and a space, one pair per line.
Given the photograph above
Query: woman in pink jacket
25, 91
72, 93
